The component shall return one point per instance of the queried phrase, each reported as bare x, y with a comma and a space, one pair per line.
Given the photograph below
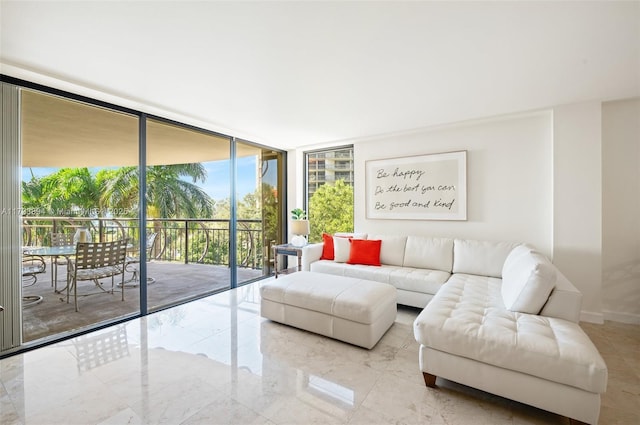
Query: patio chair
59, 239
133, 263
32, 266
97, 260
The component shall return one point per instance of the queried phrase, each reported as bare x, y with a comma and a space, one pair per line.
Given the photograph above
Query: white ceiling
289, 74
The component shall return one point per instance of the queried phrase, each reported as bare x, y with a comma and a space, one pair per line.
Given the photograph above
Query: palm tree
168, 194
68, 191
33, 195
172, 196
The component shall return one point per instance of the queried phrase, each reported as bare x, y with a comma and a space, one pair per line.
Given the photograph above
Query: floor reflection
100, 347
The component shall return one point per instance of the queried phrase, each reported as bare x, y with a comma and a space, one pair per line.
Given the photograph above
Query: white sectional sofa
497, 316
418, 266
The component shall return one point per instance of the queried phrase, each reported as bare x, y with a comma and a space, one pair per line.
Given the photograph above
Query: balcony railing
204, 241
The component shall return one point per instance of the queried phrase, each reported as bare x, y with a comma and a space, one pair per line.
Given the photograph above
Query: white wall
509, 178
621, 210
566, 180
577, 198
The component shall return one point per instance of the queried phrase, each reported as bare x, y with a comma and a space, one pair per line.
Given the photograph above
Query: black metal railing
186, 240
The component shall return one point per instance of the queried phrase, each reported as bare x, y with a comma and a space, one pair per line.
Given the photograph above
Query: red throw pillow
365, 251
327, 248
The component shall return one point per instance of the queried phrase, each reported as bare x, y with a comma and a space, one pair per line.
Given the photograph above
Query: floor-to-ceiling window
188, 195
81, 162
258, 208
329, 191
72, 152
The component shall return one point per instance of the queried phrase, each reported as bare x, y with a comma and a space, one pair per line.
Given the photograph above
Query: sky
217, 184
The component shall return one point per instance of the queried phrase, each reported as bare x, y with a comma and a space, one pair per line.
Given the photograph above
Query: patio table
66, 251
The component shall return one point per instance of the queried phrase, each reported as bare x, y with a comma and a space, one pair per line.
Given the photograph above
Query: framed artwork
426, 187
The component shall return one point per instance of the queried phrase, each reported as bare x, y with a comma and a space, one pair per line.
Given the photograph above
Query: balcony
189, 259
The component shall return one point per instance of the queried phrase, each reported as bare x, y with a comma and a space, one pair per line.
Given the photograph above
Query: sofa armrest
311, 253
565, 301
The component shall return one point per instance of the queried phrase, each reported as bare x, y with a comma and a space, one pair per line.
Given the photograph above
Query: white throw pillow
527, 282
341, 249
514, 255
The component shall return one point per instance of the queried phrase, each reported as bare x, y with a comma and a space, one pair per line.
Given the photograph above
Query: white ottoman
352, 310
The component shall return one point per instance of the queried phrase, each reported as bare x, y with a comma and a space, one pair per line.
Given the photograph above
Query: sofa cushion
392, 249
424, 281
341, 246
341, 249
376, 274
429, 253
364, 251
466, 318
328, 266
327, 247
528, 280
481, 258
514, 255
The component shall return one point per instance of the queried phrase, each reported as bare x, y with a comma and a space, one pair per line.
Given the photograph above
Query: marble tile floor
216, 361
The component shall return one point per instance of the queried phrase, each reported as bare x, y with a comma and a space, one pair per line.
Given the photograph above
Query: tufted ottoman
352, 310
468, 336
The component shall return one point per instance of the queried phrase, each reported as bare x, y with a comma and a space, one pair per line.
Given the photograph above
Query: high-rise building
328, 166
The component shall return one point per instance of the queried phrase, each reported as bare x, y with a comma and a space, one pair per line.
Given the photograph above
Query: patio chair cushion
98, 273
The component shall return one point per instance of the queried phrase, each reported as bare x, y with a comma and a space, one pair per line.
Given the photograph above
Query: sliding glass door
188, 195
72, 154
199, 210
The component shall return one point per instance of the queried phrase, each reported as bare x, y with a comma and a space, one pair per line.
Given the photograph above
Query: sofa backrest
429, 253
482, 258
351, 235
391, 249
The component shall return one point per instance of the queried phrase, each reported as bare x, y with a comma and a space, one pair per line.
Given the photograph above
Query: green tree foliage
331, 210
33, 197
169, 194
222, 209
249, 206
270, 212
67, 192
75, 191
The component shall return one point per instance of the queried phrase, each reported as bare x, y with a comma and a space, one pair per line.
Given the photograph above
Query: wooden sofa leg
429, 379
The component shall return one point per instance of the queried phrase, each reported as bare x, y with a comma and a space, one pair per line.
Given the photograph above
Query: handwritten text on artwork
426, 187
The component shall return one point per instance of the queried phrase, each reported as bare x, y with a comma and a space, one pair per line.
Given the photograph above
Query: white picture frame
425, 187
